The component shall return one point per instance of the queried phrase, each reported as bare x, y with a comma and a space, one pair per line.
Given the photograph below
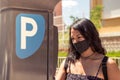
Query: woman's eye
79, 37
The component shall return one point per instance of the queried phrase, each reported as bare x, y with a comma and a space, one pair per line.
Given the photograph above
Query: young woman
86, 59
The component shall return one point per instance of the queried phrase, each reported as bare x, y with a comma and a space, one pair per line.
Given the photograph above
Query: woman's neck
88, 53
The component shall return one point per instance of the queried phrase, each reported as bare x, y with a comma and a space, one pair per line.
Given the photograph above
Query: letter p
26, 33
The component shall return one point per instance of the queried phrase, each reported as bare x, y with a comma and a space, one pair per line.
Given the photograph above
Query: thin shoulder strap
98, 69
104, 67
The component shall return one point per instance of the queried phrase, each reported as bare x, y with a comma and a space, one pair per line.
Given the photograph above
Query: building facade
110, 31
58, 21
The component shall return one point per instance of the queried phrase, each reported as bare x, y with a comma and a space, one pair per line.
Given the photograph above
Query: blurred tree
74, 18
96, 16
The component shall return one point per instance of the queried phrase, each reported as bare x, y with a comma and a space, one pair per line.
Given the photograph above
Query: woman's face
76, 36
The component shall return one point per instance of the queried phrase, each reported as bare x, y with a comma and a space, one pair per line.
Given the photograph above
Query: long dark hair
90, 33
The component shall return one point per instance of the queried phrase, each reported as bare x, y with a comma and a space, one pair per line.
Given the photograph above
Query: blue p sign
30, 30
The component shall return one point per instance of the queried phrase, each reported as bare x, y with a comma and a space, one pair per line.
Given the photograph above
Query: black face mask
81, 46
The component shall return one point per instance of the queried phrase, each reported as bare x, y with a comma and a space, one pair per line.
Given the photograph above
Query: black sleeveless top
81, 77
70, 76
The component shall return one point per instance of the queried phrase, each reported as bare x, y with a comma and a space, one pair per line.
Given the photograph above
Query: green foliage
74, 18
63, 40
95, 16
62, 54
110, 54
113, 54
66, 35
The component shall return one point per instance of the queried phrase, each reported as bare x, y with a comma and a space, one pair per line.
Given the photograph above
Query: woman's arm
60, 75
113, 70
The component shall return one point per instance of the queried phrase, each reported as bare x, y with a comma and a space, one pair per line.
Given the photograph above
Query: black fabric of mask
81, 46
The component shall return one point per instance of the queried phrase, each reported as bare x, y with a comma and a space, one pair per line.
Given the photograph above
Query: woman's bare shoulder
113, 70
111, 64
60, 75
